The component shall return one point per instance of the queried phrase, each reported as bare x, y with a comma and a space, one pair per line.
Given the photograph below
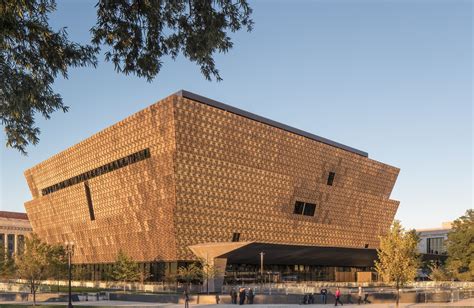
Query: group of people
362, 297
244, 295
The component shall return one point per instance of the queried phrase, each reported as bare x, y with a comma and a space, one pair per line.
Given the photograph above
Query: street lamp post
261, 266
70, 252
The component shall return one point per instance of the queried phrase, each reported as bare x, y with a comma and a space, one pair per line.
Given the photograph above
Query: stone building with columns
14, 227
190, 177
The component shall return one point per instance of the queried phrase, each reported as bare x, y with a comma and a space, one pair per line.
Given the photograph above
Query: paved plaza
462, 303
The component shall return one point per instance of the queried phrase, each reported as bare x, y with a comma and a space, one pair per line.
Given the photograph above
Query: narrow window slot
89, 200
331, 178
235, 237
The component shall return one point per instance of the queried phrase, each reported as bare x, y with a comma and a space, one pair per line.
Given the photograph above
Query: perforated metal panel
211, 173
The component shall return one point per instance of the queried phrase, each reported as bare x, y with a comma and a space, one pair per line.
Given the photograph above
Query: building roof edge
13, 215
255, 117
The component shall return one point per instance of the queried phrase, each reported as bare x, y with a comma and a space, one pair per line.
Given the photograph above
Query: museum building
190, 177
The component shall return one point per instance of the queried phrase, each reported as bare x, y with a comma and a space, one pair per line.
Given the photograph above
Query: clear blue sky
393, 78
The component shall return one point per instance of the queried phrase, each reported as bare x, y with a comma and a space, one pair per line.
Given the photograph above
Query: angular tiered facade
188, 170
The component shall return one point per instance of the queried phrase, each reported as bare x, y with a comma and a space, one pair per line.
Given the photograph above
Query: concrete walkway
462, 303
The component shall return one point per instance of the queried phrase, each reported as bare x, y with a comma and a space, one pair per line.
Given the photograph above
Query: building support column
215, 283
213, 254
15, 244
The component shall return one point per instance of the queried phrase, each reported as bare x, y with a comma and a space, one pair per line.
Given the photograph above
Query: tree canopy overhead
141, 33
136, 35
32, 54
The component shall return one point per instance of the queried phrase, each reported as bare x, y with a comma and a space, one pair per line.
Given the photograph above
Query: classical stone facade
14, 227
188, 170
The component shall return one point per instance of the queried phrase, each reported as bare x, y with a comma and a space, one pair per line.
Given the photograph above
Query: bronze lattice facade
188, 170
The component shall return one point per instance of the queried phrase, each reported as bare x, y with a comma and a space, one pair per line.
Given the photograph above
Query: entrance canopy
249, 253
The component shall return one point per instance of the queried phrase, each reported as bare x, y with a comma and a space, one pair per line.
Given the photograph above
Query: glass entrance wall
235, 273
250, 273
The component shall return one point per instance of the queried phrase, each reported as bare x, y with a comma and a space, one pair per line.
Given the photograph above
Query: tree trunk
398, 293
34, 293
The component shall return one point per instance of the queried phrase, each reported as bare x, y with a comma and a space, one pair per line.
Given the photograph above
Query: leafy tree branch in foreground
137, 36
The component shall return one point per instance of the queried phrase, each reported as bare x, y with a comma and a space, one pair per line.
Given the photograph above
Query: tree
144, 275
398, 259
59, 262
31, 56
136, 34
7, 265
189, 273
79, 272
125, 269
37, 263
460, 247
437, 271
208, 271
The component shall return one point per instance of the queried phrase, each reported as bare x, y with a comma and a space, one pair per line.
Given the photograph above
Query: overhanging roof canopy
249, 253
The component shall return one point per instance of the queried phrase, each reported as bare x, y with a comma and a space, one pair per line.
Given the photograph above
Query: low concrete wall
296, 288
147, 298
40, 297
167, 298
10, 297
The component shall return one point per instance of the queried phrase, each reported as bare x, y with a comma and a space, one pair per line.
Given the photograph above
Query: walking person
324, 295
360, 293
338, 297
233, 296
305, 299
186, 299
251, 296
366, 299
349, 298
241, 296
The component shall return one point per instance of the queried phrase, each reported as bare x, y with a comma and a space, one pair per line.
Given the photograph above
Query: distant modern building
190, 177
13, 229
433, 241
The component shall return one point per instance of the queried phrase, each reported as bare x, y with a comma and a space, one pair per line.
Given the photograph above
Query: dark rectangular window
235, 237
331, 178
435, 245
2, 242
11, 244
309, 209
302, 208
89, 200
299, 206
